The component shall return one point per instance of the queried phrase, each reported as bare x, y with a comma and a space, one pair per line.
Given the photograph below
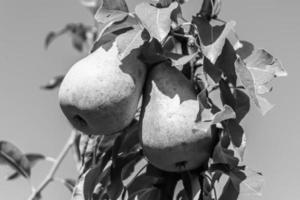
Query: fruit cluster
170, 68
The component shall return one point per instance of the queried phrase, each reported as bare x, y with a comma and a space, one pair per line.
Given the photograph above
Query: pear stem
50, 177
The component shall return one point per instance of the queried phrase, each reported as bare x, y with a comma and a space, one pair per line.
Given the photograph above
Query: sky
31, 118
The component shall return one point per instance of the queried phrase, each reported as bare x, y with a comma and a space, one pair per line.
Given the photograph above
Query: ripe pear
168, 135
99, 95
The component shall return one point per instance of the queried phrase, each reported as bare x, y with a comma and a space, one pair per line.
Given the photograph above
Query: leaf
264, 68
242, 104
208, 119
116, 186
224, 155
252, 185
33, 159
246, 49
11, 155
69, 183
179, 60
53, 83
214, 50
210, 9
229, 192
247, 80
134, 39
140, 184
80, 35
156, 20
90, 181
191, 185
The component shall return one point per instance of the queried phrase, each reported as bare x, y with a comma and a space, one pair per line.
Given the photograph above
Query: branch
36, 194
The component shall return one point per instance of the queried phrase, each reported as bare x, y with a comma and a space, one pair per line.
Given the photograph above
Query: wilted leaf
156, 20
247, 80
252, 186
264, 68
53, 83
33, 159
11, 155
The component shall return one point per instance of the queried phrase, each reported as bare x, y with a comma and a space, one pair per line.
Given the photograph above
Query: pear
168, 134
100, 93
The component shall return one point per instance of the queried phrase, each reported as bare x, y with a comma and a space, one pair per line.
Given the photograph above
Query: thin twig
54, 168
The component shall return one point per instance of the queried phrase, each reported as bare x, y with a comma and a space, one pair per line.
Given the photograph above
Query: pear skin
168, 135
99, 95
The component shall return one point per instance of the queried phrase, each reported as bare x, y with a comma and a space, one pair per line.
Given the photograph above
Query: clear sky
31, 118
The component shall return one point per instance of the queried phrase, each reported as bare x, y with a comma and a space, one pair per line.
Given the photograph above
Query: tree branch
36, 194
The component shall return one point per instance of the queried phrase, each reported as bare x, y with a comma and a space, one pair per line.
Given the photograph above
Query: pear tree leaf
224, 155
264, 68
116, 187
214, 50
11, 155
242, 106
78, 193
252, 186
141, 184
229, 192
90, 181
191, 185
33, 158
180, 60
210, 9
208, 119
134, 39
53, 83
240, 150
69, 183
245, 50
247, 80
156, 20
108, 11
81, 35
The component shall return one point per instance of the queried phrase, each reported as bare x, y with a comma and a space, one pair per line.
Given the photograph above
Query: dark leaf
242, 104
140, 184
213, 71
224, 155
90, 181
116, 186
246, 50
11, 155
187, 183
229, 192
210, 9
152, 53
160, 25
33, 159
53, 83
70, 184
235, 131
